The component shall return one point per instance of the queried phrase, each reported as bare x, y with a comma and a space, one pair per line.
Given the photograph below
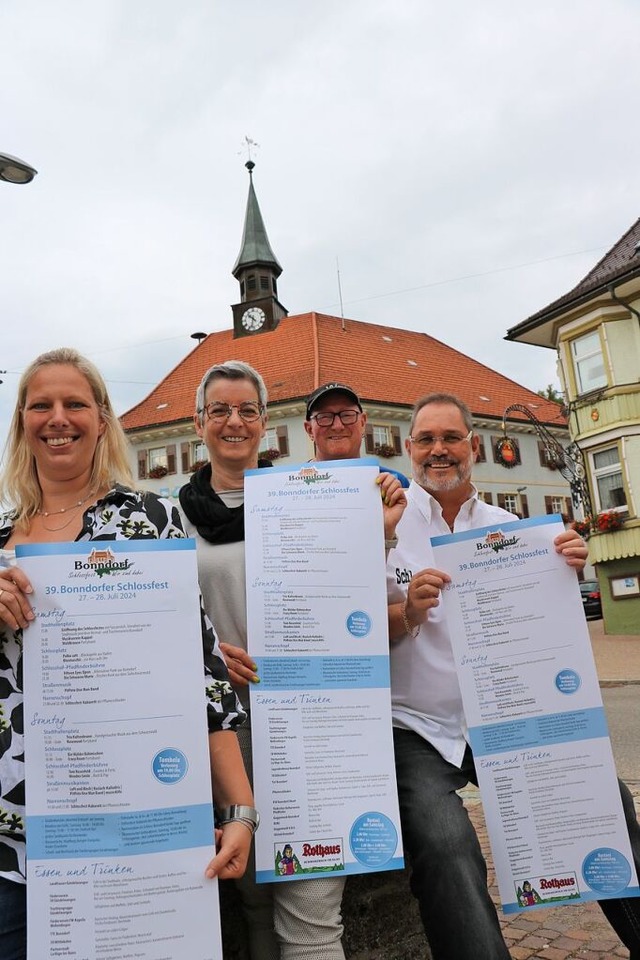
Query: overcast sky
466, 163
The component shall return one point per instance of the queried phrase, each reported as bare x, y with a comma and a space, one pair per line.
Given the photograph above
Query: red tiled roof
309, 349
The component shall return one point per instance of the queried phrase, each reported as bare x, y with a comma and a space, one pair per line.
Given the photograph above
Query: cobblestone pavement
578, 931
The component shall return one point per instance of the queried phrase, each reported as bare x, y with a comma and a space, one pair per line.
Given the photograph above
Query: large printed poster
536, 721
324, 772
119, 808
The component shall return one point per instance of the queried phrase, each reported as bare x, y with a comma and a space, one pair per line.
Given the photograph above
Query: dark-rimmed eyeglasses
427, 440
346, 417
249, 411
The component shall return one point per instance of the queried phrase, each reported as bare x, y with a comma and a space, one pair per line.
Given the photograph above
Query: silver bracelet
238, 812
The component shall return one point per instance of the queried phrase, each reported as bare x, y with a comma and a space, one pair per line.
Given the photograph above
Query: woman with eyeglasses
300, 919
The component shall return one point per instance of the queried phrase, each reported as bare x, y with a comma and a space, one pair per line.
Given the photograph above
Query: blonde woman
66, 478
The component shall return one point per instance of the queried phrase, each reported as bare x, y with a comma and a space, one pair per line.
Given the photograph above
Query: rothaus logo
103, 562
496, 541
309, 475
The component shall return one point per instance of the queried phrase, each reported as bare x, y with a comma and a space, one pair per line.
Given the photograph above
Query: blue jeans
13, 920
449, 874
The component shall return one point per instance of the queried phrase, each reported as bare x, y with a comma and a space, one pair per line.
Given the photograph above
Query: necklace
71, 510
74, 506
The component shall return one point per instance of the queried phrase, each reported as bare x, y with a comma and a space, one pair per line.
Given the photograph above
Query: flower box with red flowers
157, 473
271, 454
609, 521
384, 450
584, 527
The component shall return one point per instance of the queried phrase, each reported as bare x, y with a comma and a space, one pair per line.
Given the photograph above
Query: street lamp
14, 170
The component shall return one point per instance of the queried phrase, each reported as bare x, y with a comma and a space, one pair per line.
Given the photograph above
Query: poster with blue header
324, 775
535, 717
119, 809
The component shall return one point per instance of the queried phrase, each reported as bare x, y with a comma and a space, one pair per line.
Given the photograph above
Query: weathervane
247, 144
569, 461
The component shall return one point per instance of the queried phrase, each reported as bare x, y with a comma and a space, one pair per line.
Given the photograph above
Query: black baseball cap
326, 388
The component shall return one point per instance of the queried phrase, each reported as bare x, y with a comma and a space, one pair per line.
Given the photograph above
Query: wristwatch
237, 812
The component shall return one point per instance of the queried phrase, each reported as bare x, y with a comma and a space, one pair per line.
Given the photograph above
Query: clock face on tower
253, 318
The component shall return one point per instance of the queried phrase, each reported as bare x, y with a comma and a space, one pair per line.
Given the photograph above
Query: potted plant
197, 464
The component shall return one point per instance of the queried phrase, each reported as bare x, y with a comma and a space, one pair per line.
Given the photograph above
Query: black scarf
212, 518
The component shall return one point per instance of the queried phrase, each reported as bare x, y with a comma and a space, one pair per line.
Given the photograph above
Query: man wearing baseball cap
336, 423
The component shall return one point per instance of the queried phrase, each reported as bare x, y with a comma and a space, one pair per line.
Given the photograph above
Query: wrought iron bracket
569, 461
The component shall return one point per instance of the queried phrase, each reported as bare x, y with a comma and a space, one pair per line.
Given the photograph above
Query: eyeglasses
427, 440
346, 417
249, 412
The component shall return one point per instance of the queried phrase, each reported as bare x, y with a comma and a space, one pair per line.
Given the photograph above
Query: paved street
581, 932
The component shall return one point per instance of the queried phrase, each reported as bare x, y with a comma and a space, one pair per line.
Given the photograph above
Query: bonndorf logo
103, 562
496, 541
310, 475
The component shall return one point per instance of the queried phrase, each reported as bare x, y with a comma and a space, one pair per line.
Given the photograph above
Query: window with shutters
482, 454
193, 454
382, 440
515, 503
561, 505
547, 456
157, 462
275, 443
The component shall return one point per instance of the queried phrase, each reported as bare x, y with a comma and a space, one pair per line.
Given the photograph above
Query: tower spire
257, 270
255, 249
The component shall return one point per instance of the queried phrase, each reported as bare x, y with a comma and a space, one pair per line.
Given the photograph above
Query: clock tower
257, 271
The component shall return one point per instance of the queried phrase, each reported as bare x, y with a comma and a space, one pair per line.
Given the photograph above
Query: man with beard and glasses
433, 757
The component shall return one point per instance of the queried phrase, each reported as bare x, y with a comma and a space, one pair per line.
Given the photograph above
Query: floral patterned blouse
121, 514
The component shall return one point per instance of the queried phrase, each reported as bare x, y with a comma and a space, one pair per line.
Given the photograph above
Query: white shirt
425, 696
